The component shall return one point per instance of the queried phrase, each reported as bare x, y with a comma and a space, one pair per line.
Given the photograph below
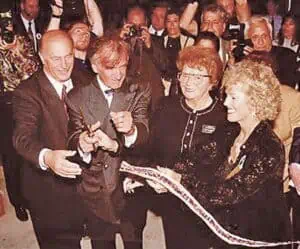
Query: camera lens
7, 36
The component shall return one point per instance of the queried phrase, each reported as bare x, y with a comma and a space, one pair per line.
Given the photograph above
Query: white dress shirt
33, 28
153, 30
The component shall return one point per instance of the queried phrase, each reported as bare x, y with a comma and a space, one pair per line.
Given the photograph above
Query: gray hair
217, 9
258, 19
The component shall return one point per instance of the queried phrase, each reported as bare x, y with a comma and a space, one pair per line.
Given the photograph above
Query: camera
73, 10
5, 21
135, 31
236, 32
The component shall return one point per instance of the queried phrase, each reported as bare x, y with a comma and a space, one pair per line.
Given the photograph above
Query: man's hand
123, 121
129, 185
87, 139
146, 36
248, 50
94, 138
57, 8
105, 142
56, 160
125, 31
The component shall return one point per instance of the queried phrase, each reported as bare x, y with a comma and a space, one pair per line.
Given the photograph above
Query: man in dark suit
29, 22
157, 19
40, 136
260, 32
148, 60
18, 62
117, 113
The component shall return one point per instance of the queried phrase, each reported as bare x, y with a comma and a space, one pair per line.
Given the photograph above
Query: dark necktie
156, 33
30, 34
64, 99
273, 28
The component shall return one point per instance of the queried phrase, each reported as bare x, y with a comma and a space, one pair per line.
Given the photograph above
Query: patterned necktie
30, 34
64, 99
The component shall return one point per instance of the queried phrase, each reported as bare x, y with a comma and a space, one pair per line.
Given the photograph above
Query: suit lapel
165, 41
97, 104
123, 98
53, 103
182, 41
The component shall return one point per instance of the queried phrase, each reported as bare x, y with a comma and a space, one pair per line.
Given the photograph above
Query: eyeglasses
195, 77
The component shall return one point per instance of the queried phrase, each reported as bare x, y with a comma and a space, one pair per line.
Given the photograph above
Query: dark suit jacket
41, 122
286, 61
20, 29
100, 186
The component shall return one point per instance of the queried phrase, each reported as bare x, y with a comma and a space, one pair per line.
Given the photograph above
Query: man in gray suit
115, 114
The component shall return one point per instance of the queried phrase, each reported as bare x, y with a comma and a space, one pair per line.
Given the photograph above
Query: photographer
259, 31
233, 8
17, 63
148, 61
79, 10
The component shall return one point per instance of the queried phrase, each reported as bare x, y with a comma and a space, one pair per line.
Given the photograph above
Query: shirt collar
153, 30
26, 22
58, 85
102, 86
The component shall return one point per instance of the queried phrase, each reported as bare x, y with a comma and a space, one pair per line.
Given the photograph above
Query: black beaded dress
176, 131
249, 202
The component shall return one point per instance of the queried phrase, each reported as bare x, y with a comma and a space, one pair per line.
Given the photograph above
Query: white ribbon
178, 190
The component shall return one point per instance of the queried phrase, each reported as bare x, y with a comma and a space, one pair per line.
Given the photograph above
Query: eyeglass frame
197, 77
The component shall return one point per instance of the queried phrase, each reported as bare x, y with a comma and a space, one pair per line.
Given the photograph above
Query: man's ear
94, 68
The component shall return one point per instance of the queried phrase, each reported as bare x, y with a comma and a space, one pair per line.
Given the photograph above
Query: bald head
57, 54
53, 37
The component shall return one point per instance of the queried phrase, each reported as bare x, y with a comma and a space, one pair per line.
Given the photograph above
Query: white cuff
130, 140
42, 164
86, 156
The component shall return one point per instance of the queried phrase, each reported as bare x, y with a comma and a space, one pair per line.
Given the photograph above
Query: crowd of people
204, 91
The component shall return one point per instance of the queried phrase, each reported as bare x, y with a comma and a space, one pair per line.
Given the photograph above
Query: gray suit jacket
100, 186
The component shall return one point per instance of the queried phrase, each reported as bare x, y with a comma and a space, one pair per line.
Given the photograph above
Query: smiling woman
178, 126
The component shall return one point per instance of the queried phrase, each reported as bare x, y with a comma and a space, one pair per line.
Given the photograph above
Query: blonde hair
263, 87
195, 57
